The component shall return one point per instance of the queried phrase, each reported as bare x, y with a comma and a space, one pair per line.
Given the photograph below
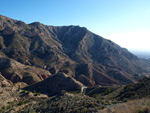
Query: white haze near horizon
134, 41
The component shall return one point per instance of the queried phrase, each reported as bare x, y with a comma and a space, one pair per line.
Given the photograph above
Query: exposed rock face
17, 72
15, 77
20, 85
8, 31
70, 49
9, 92
4, 82
30, 34
55, 84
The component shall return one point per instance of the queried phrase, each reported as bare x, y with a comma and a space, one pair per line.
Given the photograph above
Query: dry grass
132, 106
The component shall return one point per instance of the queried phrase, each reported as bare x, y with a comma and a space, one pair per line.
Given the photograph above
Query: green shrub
34, 91
37, 93
145, 110
23, 91
21, 103
95, 96
3, 107
32, 111
107, 91
125, 100
28, 92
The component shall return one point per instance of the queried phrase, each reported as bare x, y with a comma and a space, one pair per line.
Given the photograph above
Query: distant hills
25, 49
141, 54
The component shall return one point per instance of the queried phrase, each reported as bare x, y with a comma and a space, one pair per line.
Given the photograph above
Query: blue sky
126, 22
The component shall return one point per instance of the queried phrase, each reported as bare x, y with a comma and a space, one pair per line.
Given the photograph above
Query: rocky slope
17, 72
138, 90
56, 84
4, 82
96, 99
74, 50
8, 91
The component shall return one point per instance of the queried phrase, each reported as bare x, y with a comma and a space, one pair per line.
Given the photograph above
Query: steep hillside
4, 82
56, 84
74, 50
17, 72
138, 90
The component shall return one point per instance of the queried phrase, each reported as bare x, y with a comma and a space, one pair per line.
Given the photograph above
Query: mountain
74, 69
56, 84
73, 50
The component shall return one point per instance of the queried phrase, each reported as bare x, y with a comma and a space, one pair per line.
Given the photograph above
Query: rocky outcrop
4, 82
17, 72
8, 31
84, 80
20, 85
30, 34
55, 84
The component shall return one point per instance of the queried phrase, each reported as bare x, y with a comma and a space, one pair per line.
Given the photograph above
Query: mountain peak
35, 23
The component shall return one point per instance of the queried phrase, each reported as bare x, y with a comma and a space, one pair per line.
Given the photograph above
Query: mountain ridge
78, 52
